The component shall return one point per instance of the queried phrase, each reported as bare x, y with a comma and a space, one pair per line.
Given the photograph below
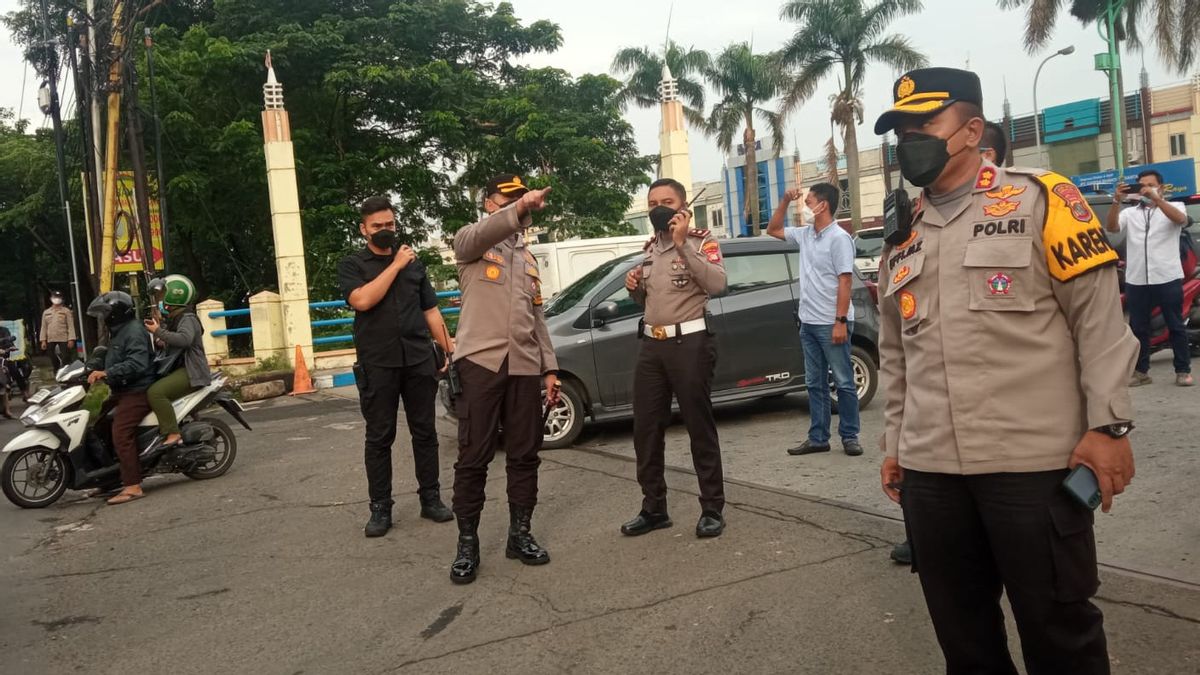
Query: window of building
751, 272
1178, 145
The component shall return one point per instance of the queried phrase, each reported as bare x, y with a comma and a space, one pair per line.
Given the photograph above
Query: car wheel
565, 421
866, 377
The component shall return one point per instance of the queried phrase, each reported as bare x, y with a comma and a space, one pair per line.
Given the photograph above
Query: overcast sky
990, 40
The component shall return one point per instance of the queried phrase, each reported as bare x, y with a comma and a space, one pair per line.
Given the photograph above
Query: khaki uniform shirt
1002, 339
58, 324
501, 298
675, 284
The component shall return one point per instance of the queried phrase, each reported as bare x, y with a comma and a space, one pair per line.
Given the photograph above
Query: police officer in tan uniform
503, 356
58, 331
682, 267
1005, 360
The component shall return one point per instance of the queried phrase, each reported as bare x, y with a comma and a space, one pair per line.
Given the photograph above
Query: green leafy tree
1175, 24
746, 83
842, 38
421, 100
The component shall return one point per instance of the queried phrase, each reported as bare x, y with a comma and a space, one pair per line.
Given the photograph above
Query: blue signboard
1179, 178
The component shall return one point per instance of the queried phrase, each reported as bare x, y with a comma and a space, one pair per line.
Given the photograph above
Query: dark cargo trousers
976, 536
488, 401
682, 367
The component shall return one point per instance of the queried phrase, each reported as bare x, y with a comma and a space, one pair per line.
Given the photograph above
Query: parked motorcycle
1160, 337
60, 450
14, 373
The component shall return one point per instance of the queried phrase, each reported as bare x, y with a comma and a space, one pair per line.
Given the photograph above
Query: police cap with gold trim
507, 184
926, 91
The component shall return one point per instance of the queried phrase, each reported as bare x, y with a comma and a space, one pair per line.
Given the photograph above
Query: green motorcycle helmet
179, 291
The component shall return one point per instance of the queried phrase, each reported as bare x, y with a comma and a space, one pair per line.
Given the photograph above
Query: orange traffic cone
301, 382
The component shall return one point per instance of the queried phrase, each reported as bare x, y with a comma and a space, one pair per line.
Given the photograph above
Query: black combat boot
433, 508
521, 544
381, 519
466, 562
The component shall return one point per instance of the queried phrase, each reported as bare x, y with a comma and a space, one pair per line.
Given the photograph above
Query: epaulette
698, 233
650, 243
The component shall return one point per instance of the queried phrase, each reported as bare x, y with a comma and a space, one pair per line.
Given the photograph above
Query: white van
562, 262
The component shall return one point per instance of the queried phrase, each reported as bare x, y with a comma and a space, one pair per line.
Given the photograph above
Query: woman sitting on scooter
182, 363
128, 370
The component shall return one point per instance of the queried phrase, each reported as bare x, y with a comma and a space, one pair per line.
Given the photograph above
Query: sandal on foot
125, 498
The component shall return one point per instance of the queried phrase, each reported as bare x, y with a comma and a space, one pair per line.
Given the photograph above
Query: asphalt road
266, 570
1153, 528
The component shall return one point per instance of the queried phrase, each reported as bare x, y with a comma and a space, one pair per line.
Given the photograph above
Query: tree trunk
751, 173
851, 147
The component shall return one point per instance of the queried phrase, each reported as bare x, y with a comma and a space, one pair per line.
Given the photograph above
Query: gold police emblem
906, 87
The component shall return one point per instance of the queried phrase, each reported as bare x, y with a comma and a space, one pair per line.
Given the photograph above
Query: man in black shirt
396, 312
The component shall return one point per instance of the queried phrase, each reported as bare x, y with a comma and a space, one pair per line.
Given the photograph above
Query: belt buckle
658, 332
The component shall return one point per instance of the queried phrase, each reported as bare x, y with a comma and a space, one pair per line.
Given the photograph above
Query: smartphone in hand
1081, 484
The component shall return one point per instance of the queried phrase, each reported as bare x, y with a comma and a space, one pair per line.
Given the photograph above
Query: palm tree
1176, 24
746, 81
849, 35
645, 70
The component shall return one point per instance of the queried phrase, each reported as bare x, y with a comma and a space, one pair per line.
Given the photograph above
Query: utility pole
85, 95
137, 161
112, 146
1110, 62
161, 180
93, 85
52, 102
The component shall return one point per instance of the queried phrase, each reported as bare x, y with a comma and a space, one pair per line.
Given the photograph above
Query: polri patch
999, 284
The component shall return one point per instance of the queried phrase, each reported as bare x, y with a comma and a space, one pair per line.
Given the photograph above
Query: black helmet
114, 307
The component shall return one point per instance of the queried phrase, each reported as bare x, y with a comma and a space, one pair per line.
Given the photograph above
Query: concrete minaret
674, 158
285, 220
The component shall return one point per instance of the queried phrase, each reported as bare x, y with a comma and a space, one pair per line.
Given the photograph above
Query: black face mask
660, 218
384, 239
923, 157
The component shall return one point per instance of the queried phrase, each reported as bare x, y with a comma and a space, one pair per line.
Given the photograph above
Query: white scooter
60, 450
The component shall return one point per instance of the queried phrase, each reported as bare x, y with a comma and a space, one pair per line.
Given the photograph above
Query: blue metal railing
230, 331
344, 321
325, 304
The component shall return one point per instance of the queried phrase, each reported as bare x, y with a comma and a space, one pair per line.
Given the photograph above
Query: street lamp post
1037, 126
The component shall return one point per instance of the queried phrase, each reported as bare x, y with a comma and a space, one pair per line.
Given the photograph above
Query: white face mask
56, 301
806, 214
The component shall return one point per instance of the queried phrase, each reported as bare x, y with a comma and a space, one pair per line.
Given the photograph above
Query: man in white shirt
1153, 271
826, 315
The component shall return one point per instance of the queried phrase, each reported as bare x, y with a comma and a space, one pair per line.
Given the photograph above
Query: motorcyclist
181, 365
128, 371
11, 372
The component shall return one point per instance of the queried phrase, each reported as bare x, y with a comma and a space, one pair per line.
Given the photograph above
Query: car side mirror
604, 312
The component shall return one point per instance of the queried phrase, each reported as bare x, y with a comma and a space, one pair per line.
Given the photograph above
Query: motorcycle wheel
34, 478
225, 444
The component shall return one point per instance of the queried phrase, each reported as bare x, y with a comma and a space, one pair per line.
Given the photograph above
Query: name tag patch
995, 227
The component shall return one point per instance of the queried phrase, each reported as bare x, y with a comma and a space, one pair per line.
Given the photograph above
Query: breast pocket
903, 290
999, 274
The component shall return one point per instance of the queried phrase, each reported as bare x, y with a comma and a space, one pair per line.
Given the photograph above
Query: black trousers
60, 355
681, 367
974, 536
380, 390
1168, 298
488, 401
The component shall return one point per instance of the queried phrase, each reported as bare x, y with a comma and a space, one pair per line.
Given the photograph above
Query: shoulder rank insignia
986, 179
698, 233
1073, 238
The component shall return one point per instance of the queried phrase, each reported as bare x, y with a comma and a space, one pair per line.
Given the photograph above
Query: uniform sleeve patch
712, 251
1073, 237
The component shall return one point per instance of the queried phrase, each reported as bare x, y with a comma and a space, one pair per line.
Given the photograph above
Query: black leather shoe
521, 544
711, 524
381, 519
852, 448
434, 509
902, 553
466, 560
646, 522
808, 448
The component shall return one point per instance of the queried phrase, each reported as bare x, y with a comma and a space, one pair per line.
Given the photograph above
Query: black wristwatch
1116, 430
840, 319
